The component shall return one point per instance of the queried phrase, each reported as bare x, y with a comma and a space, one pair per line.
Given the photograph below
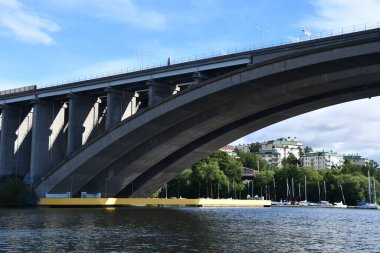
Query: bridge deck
152, 201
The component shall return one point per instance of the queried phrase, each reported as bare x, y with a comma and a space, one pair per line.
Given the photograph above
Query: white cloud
18, 22
331, 14
346, 128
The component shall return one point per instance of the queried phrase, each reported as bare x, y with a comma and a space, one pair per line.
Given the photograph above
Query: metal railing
229, 51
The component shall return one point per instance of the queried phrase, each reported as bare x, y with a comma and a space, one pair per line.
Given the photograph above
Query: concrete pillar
81, 120
115, 107
120, 105
199, 77
47, 138
130, 99
159, 91
15, 141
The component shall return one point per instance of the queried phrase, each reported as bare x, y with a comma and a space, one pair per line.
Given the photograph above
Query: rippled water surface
277, 229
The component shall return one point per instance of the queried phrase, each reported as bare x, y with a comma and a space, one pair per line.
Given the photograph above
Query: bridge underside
140, 154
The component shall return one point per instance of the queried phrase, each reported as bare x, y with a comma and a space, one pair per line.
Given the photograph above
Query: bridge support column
158, 91
132, 104
199, 77
120, 105
15, 141
83, 118
47, 138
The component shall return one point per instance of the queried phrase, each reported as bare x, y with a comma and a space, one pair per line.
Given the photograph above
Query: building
276, 150
249, 174
356, 159
230, 150
322, 160
271, 156
243, 147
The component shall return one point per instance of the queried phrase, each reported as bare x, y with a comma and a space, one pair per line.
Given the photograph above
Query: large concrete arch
143, 152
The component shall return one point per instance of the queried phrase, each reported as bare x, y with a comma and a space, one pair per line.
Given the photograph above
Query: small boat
324, 203
339, 205
304, 203
365, 205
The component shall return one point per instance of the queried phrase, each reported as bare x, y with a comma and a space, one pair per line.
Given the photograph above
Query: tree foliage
220, 175
13, 192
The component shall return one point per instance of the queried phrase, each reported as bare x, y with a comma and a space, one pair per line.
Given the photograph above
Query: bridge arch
148, 149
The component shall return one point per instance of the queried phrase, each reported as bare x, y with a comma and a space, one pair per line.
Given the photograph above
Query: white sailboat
304, 202
323, 203
340, 204
370, 205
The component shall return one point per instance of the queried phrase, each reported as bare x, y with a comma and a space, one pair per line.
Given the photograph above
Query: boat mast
274, 189
341, 189
319, 192
292, 189
299, 191
305, 189
287, 189
324, 184
374, 191
369, 188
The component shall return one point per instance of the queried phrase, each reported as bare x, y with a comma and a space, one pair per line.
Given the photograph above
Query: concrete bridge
128, 134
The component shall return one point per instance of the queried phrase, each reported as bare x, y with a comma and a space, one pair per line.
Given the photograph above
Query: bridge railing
206, 55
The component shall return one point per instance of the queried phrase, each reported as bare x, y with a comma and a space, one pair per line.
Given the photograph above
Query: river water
148, 229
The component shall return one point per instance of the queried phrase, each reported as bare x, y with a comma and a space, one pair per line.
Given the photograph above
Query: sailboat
323, 203
370, 205
340, 204
304, 202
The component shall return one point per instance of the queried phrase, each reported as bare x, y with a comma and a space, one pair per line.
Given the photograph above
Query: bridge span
126, 135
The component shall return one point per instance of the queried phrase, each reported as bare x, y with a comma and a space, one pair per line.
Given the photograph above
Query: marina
109, 202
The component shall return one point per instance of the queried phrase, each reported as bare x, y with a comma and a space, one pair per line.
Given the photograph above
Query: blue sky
44, 42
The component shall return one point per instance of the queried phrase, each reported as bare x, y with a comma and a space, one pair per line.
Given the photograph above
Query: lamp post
105, 195
71, 187
261, 34
43, 190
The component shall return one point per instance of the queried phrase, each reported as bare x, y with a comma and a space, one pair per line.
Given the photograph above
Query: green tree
13, 192
255, 147
252, 161
290, 160
308, 149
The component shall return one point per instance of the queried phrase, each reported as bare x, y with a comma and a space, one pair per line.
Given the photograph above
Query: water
276, 229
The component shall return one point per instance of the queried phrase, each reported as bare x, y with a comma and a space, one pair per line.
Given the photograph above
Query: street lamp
106, 187
261, 34
71, 187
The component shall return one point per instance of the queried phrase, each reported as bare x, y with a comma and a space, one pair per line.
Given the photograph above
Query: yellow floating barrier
106, 202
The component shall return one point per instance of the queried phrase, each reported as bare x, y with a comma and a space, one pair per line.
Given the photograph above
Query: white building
276, 150
356, 159
271, 156
322, 160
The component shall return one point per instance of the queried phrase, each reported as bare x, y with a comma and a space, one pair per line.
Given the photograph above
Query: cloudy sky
45, 42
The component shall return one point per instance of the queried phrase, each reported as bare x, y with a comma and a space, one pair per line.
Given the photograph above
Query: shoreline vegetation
15, 193
220, 176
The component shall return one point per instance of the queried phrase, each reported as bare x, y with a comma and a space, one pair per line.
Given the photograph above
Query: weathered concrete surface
15, 140
145, 151
48, 145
